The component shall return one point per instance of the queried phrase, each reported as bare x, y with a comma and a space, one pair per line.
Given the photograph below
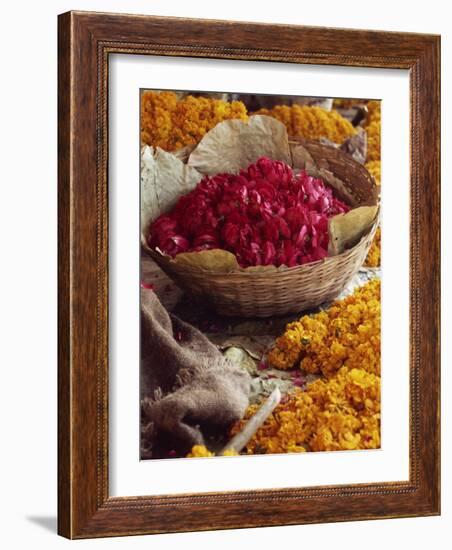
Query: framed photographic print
248, 275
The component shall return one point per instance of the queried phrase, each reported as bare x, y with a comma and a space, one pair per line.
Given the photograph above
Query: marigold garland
373, 141
373, 258
311, 122
342, 410
171, 123
373, 129
374, 255
341, 413
347, 334
374, 167
199, 451
373, 110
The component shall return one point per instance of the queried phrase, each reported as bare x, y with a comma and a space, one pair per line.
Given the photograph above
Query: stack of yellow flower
311, 122
348, 333
172, 123
374, 167
373, 258
373, 129
342, 409
373, 164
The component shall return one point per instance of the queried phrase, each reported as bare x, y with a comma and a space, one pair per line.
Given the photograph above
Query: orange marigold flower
199, 451
373, 129
347, 334
311, 122
373, 141
374, 167
339, 413
341, 410
171, 123
373, 258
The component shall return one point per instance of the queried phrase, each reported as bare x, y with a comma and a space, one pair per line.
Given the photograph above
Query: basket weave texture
285, 290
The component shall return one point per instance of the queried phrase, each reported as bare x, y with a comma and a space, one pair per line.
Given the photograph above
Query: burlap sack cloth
187, 386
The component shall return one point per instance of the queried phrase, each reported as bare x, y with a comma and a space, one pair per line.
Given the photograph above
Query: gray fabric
186, 383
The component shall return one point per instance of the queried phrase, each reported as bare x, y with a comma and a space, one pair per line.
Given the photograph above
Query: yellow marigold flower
172, 123
373, 129
341, 410
373, 110
156, 122
311, 122
339, 413
374, 167
347, 334
373, 258
199, 451
373, 141
342, 103
230, 452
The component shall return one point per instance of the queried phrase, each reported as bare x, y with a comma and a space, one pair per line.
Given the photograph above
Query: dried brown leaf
233, 145
346, 230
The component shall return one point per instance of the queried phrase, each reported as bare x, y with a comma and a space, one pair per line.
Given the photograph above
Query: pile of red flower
265, 215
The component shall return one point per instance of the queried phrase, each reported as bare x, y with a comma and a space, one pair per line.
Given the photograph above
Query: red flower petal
265, 215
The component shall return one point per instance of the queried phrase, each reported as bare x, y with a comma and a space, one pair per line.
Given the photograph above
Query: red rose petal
265, 215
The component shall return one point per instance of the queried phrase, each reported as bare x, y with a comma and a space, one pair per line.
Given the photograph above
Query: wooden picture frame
85, 42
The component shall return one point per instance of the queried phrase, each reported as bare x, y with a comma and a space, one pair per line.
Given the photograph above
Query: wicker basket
291, 290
